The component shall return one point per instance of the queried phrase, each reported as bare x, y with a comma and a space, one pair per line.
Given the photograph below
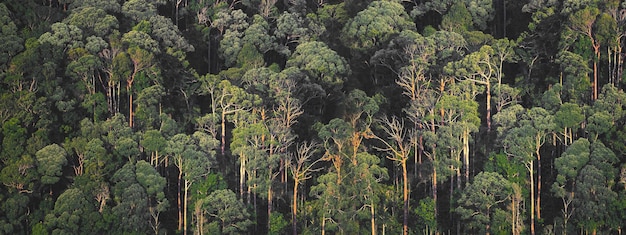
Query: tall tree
398, 144
582, 21
301, 166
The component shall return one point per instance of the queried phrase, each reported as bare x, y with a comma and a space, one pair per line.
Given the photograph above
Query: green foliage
458, 18
483, 200
74, 213
139, 10
426, 212
93, 21
51, 160
10, 41
278, 224
230, 216
321, 63
14, 138
283, 73
376, 25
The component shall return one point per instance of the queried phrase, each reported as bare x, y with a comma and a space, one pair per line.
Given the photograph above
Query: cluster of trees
307, 117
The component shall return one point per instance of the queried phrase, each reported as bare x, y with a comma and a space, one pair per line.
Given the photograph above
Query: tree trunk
242, 175
405, 193
596, 49
223, 146
466, 154
269, 203
187, 185
130, 109
434, 188
294, 207
537, 148
532, 198
373, 217
180, 203
488, 92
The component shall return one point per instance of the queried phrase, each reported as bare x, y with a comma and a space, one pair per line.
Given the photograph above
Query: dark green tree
483, 200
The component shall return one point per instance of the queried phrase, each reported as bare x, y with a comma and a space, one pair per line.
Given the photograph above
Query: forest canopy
312, 116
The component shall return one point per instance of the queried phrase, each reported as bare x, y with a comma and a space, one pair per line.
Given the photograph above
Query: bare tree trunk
180, 203
538, 208
532, 197
488, 92
223, 146
294, 207
187, 185
405, 197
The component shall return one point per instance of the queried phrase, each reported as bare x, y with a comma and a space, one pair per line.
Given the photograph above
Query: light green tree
50, 162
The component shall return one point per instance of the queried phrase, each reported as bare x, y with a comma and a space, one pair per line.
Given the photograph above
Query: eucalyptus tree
193, 163
227, 100
483, 66
74, 212
374, 26
343, 142
301, 165
231, 25
230, 216
483, 201
93, 21
569, 118
51, 160
585, 172
398, 145
523, 141
322, 64
568, 166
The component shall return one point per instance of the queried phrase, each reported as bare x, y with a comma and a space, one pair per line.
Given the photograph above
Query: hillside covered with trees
312, 117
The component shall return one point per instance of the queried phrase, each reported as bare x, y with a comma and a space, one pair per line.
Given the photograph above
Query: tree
63, 36
51, 160
320, 63
130, 212
398, 145
582, 21
11, 43
230, 215
301, 169
169, 36
74, 213
568, 118
231, 25
139, 10
483, 66
14, 139
93, 21
154, 184
519, 144
154, 143
192, 164
568, 166
483, 200
543, 124
376, 25
593, 193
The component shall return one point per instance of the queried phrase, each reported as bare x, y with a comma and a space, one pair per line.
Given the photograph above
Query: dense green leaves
352, 117
376, 25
